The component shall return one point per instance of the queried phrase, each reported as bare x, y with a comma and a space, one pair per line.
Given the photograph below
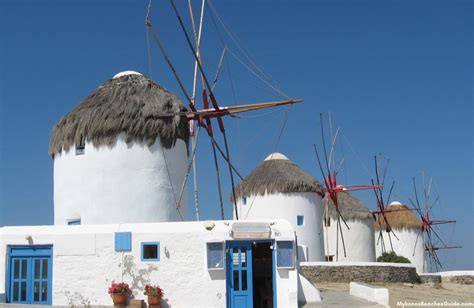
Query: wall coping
455, 273
357, 264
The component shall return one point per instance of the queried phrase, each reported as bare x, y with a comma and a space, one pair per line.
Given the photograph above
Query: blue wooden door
29, 275
239, 275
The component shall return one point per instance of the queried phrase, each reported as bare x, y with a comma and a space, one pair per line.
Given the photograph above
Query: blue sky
396, 75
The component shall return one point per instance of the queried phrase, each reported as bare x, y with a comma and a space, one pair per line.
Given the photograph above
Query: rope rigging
203, 117
213, 99
215, 15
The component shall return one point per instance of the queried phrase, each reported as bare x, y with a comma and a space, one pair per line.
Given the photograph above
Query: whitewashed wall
405, 246
358, 239
123, 183
288, 206
85, 262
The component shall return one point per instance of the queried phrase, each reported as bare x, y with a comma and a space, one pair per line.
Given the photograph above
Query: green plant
121, 287
392, 257
153, 290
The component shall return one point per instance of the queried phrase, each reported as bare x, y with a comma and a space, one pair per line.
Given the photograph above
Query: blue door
29, 275
239, 275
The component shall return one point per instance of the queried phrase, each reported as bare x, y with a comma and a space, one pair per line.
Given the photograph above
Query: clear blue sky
397, 76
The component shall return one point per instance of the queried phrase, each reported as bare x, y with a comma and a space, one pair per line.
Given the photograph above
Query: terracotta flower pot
154, 300
119, 299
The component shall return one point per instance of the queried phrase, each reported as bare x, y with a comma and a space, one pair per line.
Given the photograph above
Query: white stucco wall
123, 183
405, 246
288, 206
358, 239
85, 262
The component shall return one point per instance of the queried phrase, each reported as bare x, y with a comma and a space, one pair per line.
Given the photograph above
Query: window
327, 222
285, 257
330, 258
81, 147
215, 255
75, 221
151, 251
123, 241
244, 200
300, 220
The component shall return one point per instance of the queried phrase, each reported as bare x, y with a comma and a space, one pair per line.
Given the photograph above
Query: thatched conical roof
130, 104
277, 174
350, 207
399, 217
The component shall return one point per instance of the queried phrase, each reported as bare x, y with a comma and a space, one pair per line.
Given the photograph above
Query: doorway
29, 275
262, 274
250, 274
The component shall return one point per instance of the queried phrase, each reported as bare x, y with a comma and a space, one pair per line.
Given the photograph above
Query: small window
123, 241
300, 220
81, 147
151, 251
330, 258
75, 221
215, 255
327, 222
285, 256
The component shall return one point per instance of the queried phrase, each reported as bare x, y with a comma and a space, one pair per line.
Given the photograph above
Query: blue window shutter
123, 241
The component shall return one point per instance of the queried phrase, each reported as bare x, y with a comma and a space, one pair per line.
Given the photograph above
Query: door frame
43, 250
274, 268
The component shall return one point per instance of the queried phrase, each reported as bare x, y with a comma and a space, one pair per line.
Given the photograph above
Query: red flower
153, 290
121, 287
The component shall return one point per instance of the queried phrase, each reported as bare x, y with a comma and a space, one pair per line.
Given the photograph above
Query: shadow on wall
2, 297
217, 274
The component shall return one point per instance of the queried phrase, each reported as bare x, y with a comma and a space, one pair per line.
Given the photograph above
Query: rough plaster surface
288, 206
358, 239
125, 183
83, 279
382, 272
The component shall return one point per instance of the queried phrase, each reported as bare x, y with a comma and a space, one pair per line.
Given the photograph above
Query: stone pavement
333, 298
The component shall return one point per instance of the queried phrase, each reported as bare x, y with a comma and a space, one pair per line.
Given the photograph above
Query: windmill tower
359, 243
429, 239
400, 219
329, 170
116, 160
278, 188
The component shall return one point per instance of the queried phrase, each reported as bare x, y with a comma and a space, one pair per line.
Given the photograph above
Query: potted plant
119, 293
155, 294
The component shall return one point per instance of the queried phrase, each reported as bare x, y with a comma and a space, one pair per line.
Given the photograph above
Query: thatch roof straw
128, 104
399, 217
277, 174
350, 208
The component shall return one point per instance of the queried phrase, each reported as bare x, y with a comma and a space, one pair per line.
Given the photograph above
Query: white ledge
371, 293
356, 264
455, 273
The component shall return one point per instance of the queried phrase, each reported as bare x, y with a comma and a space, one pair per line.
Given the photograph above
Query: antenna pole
191, 122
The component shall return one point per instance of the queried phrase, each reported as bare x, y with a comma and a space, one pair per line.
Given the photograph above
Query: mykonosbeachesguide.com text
434, 304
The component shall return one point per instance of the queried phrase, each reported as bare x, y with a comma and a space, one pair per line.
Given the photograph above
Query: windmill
431, 239
329, 172
381, 211
202, 118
